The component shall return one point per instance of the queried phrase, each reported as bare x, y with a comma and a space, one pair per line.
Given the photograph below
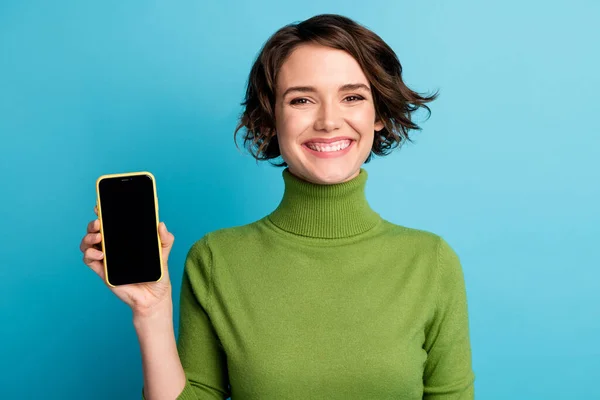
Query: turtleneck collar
324, 211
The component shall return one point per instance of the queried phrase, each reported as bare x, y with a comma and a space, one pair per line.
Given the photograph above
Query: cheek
363, 116
295, 121
290, 125
362, 120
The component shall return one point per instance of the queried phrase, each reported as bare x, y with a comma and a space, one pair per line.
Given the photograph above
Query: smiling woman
323, 80
322, 298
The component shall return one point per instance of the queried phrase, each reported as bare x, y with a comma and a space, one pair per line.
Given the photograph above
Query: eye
355, 97
300, 100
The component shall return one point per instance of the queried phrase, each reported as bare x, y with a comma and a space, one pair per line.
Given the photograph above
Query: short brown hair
394, 101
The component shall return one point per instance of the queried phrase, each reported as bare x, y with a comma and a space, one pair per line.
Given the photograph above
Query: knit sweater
324, 299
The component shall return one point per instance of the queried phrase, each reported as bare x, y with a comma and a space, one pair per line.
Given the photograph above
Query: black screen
129, 226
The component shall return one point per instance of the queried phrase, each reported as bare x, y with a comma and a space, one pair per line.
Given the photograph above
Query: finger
166, 237
93, 259
97, 267
91, 254
91, 240
93, 226
166, 240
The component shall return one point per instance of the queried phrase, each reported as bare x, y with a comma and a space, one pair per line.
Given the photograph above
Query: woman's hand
143, 298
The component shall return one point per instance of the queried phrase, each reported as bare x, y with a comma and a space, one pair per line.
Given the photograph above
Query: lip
328, 140
330, 154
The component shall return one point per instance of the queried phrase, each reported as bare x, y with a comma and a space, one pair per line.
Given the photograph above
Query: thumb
166, 240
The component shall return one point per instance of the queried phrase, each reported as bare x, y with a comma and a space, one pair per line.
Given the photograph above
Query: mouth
329, 147
329, 150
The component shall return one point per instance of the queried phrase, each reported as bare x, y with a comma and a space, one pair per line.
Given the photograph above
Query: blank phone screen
129, 225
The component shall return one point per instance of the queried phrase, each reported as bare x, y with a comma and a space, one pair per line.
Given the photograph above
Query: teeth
336, 146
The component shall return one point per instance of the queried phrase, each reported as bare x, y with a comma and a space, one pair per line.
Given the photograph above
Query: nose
328, 117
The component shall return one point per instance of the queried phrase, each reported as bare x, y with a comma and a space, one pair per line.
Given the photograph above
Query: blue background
506, 169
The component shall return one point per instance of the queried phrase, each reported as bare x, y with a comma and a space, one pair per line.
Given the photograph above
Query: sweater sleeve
448, 373
200, 351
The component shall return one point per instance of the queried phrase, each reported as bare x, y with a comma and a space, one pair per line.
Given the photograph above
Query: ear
379, 125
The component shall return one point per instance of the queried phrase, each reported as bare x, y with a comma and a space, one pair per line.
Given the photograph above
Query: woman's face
323, 95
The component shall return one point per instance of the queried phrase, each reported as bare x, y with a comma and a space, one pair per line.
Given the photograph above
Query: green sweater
324, 299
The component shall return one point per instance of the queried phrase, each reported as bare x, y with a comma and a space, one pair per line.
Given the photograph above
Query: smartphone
128, 214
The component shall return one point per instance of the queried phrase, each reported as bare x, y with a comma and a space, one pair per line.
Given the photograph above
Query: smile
329, 150
329, 147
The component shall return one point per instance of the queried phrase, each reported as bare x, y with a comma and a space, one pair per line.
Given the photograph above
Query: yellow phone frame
99, 205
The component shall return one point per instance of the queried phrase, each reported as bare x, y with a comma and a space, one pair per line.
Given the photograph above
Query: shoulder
230, 238
440, 258
421, 244
420, 239
206, 250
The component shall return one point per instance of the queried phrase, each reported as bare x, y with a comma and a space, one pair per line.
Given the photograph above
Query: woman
322, 298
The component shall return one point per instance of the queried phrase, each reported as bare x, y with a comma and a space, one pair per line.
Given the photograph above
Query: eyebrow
309, 89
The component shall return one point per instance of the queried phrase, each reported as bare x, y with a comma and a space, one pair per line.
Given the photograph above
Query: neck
324, 211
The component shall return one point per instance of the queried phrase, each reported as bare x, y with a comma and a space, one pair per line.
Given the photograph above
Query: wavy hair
394, 101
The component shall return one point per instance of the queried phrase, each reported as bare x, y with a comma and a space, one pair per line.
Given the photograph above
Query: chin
329, 177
